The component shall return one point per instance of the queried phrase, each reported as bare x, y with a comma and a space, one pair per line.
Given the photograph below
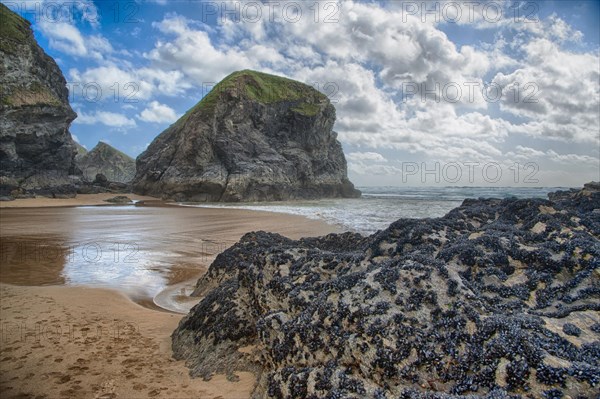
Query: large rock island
115, 165
37, 152
499, 298
254, 137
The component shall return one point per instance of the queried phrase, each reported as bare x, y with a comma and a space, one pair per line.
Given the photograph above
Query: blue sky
517, 83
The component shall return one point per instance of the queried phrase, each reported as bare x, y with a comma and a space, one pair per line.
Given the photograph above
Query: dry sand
80, 342
75, 342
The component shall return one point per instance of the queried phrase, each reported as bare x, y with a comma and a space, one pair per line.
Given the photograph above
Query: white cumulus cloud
158, 113
366, 156
110, 119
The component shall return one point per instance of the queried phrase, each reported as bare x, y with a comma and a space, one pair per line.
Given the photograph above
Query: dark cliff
254, 137
37, 152
106, 160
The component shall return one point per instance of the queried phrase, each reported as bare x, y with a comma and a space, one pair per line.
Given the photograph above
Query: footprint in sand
130, 361
78, 369
129, 375
69, 393
139, 387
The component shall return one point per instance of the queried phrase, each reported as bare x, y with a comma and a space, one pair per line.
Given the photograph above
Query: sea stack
254, 137
37, 152
108, 161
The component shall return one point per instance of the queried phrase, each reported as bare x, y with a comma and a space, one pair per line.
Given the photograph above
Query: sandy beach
80, 200
78, 321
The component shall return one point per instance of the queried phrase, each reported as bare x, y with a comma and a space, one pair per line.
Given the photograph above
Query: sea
380, 206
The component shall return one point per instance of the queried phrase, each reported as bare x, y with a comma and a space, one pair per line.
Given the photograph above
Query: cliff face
36, 149
497, 299
254, 137
106, 160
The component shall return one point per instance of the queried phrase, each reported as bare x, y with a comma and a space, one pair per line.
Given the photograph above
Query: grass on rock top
265, 89
14, 30
35, 93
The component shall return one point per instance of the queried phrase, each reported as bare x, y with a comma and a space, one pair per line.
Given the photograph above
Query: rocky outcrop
499, 298
36, 149
119, 199
254, 137
108, 161
101, 184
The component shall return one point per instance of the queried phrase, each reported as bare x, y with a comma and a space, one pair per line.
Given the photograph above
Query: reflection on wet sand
139, 250
140, 272
135, 250
33, 260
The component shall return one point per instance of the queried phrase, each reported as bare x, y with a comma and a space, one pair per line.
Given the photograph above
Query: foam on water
380, 206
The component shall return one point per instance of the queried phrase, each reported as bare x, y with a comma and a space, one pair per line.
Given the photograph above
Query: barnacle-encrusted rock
499, 298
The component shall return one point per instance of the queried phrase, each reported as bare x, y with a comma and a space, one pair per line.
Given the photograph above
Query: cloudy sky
450, 93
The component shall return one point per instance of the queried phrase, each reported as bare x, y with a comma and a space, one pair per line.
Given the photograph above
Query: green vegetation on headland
14, 30
34, 94
15, 37
262, 88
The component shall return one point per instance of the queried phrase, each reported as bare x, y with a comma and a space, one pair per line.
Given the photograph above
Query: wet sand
139, 250
62, 336
81, 199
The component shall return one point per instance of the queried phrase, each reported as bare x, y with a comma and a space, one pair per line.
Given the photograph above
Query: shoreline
79, 200
84, 200
85, 341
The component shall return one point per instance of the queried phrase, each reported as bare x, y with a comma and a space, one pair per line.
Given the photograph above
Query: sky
484, 93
